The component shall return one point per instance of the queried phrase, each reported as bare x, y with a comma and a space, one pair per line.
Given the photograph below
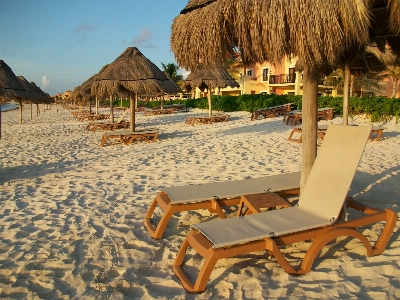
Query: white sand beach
71, 214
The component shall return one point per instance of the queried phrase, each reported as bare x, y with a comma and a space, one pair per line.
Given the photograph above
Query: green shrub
377, 108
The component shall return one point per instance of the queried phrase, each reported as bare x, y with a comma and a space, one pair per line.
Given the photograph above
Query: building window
265, 74
250, 73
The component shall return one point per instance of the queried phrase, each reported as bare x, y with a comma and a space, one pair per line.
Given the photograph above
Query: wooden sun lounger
77, 113
316, 218
375, 135
94, 117
127, 136
295, 117
214, 196
109, 126
206, 119
271, 112
177, 107
155, 112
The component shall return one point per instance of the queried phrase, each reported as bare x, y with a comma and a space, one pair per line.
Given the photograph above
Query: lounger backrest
333, 171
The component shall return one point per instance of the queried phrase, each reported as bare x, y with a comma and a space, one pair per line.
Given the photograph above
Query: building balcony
282, 78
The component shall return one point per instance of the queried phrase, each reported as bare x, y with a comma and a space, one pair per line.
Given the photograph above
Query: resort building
284, 79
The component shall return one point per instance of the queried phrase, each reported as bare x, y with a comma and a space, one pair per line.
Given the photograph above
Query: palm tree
172, 70
336, 79
393, 73
234, 65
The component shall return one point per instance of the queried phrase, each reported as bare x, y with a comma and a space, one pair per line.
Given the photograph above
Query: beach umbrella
31, 93
210, 77
10, 88
133, 73
318, 32
46, 96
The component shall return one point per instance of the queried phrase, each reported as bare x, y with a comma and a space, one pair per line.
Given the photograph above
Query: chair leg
324, 239
391, 219
209, 262
156, 232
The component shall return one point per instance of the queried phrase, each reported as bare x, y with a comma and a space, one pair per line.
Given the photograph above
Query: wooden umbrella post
111, 109
132, 100
309, 123
346, 94
20, 111
209, 99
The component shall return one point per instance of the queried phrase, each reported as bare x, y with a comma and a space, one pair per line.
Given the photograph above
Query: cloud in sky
45, 82
183, 72
84, 28
143, 39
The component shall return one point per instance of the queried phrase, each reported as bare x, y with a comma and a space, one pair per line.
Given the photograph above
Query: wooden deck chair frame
218, 239
127, 137
214, 201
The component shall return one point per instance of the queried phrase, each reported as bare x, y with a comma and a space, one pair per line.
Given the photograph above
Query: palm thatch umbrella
31, 94
46, 96
318, 32
209, 77
84, 91
10, 87
133, 73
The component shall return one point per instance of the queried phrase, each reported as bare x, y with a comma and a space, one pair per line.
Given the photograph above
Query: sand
71, 212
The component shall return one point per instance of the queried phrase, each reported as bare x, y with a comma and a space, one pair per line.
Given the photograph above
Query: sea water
8, 106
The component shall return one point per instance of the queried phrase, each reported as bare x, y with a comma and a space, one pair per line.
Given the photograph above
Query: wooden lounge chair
375, 135
107, 125
271, 112
127, 136
155, 112
295, 117
206, 119
214, 196
110, 126
315, 218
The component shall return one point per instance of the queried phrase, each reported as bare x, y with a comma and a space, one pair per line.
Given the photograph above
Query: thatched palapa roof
132, 71
31, 92
10, 86
47, 97
213, 76
315, 31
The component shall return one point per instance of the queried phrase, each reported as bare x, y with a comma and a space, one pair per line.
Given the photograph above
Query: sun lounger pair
317, 217
375, 135
127, 136
156, 112
296, 116
214, 196
107, 125
271, 112
92, 117
206, 119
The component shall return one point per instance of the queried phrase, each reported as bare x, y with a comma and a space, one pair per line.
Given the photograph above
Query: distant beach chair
214, 196
206, 119
271, 112
316, 218
127, 136
296, 133
294, 117
107, 125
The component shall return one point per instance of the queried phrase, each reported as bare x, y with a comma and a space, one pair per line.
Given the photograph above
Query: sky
59, 44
